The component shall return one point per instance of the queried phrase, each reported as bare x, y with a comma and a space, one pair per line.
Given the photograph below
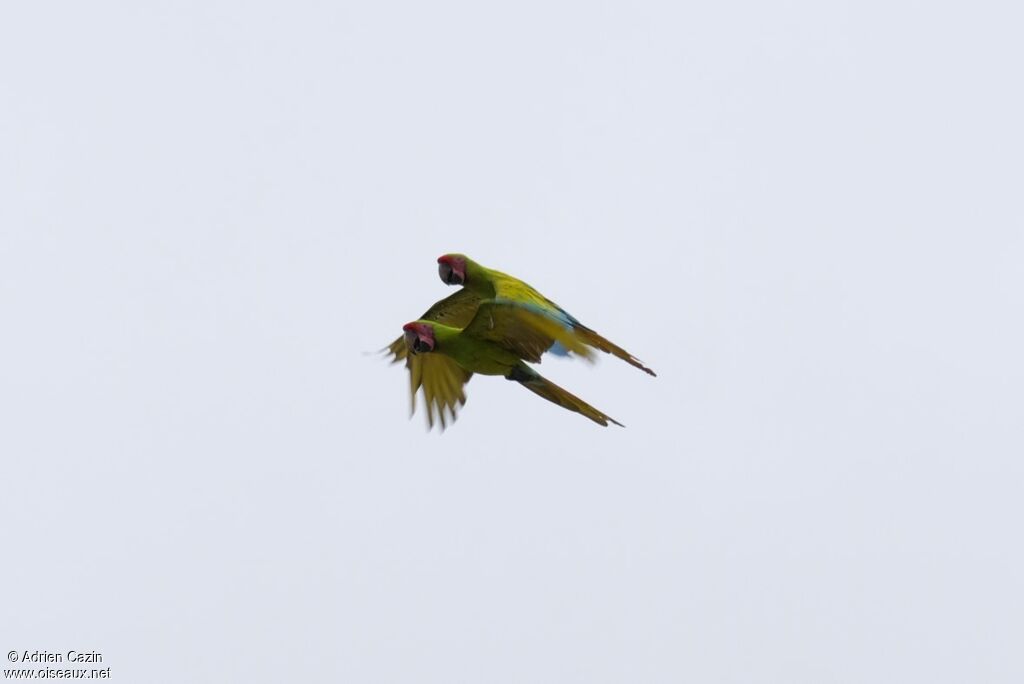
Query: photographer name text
55, 657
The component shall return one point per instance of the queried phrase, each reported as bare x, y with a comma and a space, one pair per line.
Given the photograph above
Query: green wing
522, 329
508, 288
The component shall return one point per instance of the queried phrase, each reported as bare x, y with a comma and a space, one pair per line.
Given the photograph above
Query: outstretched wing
441, 379
508, 288
523, 329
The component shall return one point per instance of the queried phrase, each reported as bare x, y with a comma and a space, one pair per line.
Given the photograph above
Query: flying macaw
435, 372
495, 341
485, 283
440, 377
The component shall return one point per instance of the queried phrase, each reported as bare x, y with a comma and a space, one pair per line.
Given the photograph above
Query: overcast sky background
806, 216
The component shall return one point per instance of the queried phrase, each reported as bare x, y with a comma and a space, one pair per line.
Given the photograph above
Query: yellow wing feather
507, 287
522, 330
440, 378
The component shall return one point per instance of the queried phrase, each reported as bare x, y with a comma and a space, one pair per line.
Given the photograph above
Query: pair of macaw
492, 326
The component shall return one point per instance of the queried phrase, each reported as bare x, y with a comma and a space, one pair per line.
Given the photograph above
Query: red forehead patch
421, 329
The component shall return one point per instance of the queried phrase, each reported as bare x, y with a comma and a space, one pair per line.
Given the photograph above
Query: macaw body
487, 283
475, 355
497, 341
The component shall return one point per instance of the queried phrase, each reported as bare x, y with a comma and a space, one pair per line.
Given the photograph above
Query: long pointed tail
588, 336
538, 384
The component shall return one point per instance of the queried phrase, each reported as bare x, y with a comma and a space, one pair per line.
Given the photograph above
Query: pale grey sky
805, 216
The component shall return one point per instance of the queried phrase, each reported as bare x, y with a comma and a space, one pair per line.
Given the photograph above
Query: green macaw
497, 339
486, 283
435, 372
440, 377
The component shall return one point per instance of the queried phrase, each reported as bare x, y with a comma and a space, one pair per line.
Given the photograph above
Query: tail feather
543, 387
588, 336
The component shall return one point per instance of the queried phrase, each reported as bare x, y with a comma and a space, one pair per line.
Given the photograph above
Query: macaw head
452, 269
419, 337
